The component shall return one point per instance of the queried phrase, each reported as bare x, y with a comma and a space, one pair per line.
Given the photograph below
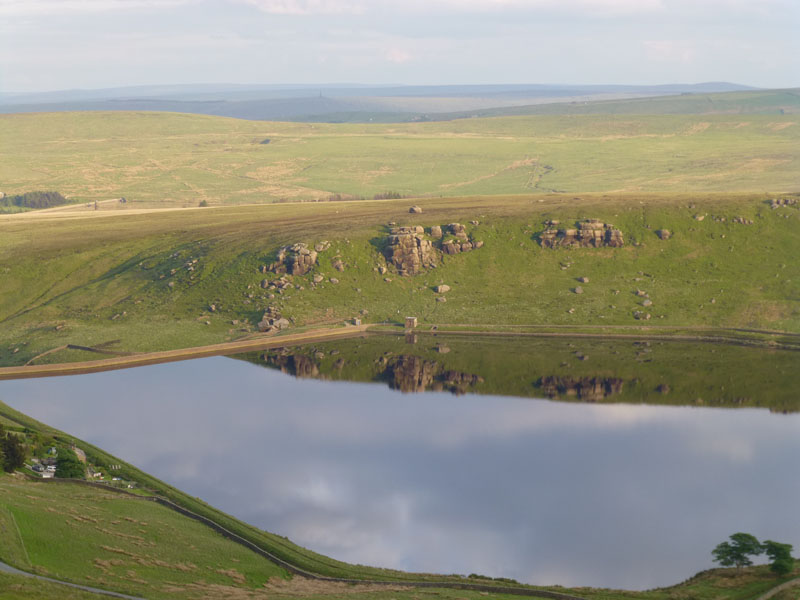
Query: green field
171, 159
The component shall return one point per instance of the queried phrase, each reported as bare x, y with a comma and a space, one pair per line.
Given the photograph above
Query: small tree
68, 465
737, 552
12, 451
780, 555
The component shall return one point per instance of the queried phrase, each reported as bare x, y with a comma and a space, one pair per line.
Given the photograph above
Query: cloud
13, 8
670, 50
591, 8
308, 7
398, 56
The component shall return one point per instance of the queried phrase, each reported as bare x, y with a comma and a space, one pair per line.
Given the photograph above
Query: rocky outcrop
409, 251
591, 233
296, 259
778, 202
460, 241
588, 389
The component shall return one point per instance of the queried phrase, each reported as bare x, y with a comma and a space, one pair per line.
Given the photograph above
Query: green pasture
172, 159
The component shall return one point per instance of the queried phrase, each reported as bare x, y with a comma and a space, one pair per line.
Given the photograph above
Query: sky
69, 44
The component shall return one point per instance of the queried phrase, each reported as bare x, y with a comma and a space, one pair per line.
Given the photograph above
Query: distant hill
749, 102
353, 103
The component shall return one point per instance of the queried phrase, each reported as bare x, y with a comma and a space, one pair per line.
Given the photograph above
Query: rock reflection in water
564, 370
588, 389
409, 373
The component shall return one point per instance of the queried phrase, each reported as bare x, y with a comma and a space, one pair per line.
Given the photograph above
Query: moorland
705, 207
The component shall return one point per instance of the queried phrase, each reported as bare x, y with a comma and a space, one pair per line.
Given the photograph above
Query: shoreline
751, 338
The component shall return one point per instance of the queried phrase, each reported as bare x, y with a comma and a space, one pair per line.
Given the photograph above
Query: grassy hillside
169, 159
65, 282
121, 543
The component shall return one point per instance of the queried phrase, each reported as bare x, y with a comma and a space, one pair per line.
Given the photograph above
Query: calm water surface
544, 492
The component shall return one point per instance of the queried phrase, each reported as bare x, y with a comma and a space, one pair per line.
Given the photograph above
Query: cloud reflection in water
576, 494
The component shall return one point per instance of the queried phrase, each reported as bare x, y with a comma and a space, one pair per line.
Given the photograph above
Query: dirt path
779, 588
151, 358
9, 569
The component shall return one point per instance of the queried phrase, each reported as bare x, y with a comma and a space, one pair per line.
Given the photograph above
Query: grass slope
64, 282
172, 159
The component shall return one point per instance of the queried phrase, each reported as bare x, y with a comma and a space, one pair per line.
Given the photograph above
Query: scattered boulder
338, 265
441, 299
699, 217
742, 221
477, 245
272, 321
578, 290
589, 233
664, 234
583, 279
415, 209
441, 289
647, 302
474, 222
436, 231
322, 246
641, 316
281, 323
319, 278
334, 280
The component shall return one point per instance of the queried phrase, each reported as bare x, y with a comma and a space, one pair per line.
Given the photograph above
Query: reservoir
606, 464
